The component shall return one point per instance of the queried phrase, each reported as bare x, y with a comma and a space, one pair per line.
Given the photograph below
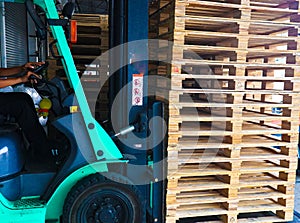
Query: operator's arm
19, 69
13, 81
11, 71
16, 70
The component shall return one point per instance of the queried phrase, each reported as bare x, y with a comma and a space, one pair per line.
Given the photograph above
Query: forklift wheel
96, 199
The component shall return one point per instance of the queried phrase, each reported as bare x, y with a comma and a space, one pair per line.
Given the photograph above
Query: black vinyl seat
5, 119
8, 124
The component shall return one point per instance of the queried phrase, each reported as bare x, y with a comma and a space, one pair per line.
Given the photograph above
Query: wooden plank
211, 19
215, 104
195, 170
261, 219
192, 184
259, 205
247, 65
255, 166
200, 221
200, 210
222, 50
204, 156
262, 153
264, 140
201, 4
201, 197
202, 142
249, 180
260, 193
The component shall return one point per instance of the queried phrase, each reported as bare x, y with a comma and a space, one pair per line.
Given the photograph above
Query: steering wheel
38, 70
41, 30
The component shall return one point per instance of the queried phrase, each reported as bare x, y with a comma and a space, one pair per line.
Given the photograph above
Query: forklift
107, 176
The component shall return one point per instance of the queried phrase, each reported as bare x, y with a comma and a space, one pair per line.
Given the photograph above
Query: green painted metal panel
9, 213
38, 212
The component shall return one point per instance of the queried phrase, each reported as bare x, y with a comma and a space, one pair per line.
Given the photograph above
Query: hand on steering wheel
36, 67
30, 76
32, 65
33, 71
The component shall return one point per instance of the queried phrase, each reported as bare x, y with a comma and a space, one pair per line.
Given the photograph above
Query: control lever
140, 125
124, 131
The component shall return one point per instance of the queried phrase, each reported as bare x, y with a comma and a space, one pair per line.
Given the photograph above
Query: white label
137, 90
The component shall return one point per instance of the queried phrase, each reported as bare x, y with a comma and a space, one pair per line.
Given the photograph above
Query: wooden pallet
233, 107
243, 40
92, 43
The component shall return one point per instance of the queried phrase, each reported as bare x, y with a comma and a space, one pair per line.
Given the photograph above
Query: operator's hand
28, 66
32, 65
25, 78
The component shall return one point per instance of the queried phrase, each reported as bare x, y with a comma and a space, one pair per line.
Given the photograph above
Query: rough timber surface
233, 107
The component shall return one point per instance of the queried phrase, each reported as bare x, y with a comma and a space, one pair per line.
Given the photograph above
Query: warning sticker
137, 90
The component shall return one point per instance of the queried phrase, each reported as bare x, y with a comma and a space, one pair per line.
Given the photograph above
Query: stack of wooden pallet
92, 42
234, 108
88, 55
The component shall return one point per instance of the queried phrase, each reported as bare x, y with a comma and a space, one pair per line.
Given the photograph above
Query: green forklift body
32, 209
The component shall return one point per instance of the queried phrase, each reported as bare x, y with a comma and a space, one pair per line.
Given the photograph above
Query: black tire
96, 199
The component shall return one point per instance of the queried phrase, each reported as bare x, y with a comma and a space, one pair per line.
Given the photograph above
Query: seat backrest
6, 119
2, 119
7, 124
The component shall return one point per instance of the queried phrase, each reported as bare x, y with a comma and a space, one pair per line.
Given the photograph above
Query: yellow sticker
73, 109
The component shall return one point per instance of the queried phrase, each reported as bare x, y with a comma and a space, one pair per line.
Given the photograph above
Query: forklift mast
128, 22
